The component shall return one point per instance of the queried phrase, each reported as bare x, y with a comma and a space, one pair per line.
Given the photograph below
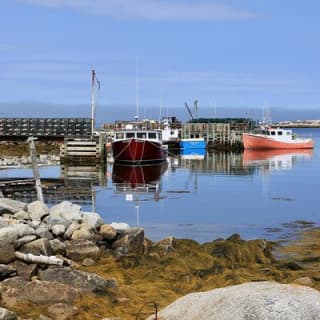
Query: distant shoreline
299, 124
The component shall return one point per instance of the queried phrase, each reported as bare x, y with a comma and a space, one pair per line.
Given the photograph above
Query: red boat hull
135, 151
252, 141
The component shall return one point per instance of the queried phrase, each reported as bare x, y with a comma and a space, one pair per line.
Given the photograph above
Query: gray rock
131, 241
37, 210
15, 290
62, 311
78, 250
58, 247
86, 281
43, 232
58, 220
82, 234
25, 270
11, 206
67, 210
167, 244
5, 314
38, 247
22, 241
120, 226
7, 271
7, 253
22, 215
92, 220
58, 229
72, 228
255, 300
11, 233
108, 232
87, 262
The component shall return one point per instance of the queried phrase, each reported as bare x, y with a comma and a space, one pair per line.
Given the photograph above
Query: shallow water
207, 196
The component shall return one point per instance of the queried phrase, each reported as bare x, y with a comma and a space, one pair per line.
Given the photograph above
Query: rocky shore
64, 263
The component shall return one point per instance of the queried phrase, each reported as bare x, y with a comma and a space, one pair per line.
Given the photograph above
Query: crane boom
190, 113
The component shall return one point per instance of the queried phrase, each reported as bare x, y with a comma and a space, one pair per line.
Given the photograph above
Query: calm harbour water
207, 196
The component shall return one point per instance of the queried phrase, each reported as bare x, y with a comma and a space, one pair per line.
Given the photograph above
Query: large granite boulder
255, 300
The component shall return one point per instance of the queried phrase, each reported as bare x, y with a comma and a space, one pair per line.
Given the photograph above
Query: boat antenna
94, 80
137, 91
161, 102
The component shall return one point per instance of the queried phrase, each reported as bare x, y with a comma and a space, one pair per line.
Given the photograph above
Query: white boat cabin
151, 135
277, 134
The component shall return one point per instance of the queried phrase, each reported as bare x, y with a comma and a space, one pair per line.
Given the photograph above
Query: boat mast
94, 80
137, 91
93, 74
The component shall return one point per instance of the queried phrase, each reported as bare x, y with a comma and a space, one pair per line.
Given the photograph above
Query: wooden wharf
78, 143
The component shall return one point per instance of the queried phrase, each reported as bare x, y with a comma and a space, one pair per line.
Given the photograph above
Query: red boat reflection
137, 176
276, 158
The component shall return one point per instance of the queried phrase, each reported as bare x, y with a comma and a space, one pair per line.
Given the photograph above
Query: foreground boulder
254, 300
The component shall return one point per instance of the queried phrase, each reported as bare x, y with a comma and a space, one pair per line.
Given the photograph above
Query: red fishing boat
138, 146
275, 138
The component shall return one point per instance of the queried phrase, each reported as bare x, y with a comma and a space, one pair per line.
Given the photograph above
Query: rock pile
39, 247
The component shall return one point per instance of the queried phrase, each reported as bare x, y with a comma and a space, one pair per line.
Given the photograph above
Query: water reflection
273, 160
241, 163
134, 181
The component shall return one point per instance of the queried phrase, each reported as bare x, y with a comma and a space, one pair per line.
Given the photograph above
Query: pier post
35, 168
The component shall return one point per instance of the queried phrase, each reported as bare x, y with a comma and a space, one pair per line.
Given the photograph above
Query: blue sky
227, 53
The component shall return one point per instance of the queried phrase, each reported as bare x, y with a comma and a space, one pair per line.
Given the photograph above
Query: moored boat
138, 146
193, 143
275, 138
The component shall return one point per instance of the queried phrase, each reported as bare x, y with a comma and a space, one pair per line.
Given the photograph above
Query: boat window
288, 133
273, 133
152, 135
119, 135
279, 133
141, 135
130, 135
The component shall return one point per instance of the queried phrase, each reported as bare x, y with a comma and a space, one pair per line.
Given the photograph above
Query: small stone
87, 262
108, 232
62, 311
5, 314
58, 229
304, 281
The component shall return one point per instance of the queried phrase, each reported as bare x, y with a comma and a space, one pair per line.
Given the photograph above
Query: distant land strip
298, 124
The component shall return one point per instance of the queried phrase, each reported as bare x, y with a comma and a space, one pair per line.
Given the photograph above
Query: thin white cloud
153, 10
